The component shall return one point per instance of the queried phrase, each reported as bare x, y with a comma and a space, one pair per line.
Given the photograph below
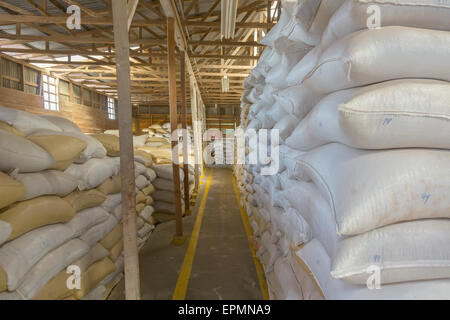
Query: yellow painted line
185, 272
248, 231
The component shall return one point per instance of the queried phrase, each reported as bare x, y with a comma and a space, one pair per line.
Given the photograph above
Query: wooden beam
220, 56
185, 136
226, 43
132, 281
216, 25
174, 126
131, 9
194, 121
191, 5
27, 18
88, 40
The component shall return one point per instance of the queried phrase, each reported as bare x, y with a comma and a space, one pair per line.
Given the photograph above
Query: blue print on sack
426, 197
387, 121
376, 258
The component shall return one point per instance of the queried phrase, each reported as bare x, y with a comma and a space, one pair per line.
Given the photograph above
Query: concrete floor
223, 267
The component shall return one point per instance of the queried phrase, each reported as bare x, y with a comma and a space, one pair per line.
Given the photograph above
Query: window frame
48, 103
111, 108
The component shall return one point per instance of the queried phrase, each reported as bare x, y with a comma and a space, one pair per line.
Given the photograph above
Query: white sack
22, 154
50, 182
393, 114
96, 293
352, 16
310, 19
141, 182
99, 231
94, 172
391, 185
62, 123
303, 68
317, 260
146, 213
24, 121
145, 230
165, 171
86, 219
377, 55
18, 256
139, 169
112, 200
139, 141
290, 287
276, 77
5, 231
409, 251
150, 174
50, 265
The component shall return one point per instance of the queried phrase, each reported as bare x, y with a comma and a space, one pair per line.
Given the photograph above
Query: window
76, 93
50, 93
64, 91
111, 109
12, 75
99, 101
86, 94
144, 109
32, 81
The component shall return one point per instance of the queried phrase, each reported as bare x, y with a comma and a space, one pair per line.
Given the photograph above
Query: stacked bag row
158, 146
60, 210
164, 194
359, 207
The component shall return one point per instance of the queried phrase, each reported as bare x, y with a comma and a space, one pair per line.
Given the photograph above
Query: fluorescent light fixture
225, 84
228, 18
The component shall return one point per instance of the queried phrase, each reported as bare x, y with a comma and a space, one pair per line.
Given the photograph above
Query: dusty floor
222, 266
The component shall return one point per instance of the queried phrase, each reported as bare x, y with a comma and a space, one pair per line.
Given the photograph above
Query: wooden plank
216, 25
132, 5
219, 56
70, 39
174, 124
25, 17
195, 129
226, 43
184, 126
132, 284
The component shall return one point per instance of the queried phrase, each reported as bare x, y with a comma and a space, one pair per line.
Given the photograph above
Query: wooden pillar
178, 238
194, 116
185, 133
132, 285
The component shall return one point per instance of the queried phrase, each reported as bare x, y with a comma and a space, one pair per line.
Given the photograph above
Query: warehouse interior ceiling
35, 31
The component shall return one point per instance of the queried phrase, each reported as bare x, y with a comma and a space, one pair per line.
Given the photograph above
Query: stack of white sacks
156, 143
60, 207
223, 151
359, 207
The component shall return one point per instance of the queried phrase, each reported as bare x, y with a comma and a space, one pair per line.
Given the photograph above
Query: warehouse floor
220, 266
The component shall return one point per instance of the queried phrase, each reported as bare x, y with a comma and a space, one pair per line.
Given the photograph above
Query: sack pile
164, 194
158, 143
60, 209
223, 151
358, 207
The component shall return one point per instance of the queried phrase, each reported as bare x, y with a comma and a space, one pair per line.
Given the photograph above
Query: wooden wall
89, 119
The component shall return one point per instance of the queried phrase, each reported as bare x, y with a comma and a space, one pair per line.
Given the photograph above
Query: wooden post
185, 135
132, 285
194, 116
178, 238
